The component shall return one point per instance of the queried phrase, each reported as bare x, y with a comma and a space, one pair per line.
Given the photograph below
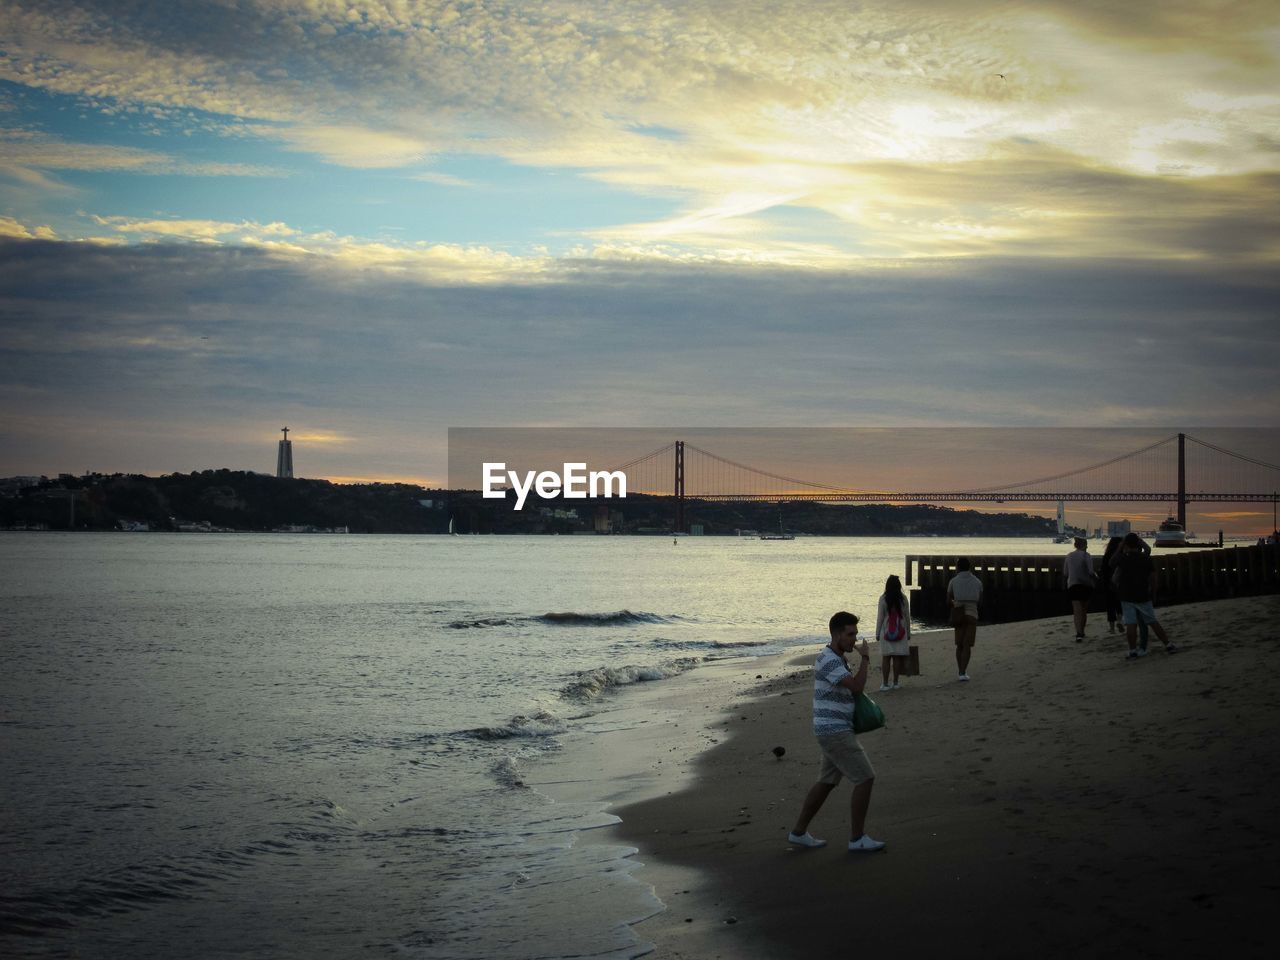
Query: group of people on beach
1126, 575
1127, 578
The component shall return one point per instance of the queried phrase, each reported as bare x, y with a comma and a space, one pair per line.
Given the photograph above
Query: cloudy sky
374, 221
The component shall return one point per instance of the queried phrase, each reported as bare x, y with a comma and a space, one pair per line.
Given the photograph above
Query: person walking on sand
1105, 569
834, 687
893, 632
1077, 567
963, 593
1135, 580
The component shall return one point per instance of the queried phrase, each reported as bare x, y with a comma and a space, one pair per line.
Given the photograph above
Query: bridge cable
1229, 453
766, 473
1072, 473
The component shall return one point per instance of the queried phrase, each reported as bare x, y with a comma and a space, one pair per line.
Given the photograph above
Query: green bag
867, 715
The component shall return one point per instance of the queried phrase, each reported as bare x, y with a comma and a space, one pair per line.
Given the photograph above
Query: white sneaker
864, 844
885, 686
964, 677
805, 840
897, 685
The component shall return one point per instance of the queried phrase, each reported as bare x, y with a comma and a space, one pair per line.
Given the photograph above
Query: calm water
305, 746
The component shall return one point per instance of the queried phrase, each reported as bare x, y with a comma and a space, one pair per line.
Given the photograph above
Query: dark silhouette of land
244, 501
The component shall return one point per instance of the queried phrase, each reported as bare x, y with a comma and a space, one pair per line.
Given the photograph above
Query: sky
371, 222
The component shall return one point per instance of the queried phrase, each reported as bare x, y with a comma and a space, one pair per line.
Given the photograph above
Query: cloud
443, 179
321, 437
443, 263
23, 152
984, 341
792, 100
10, 227
352, 146
203, 231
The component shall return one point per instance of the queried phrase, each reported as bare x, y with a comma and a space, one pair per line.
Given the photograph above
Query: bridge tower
679, 487
1182, 480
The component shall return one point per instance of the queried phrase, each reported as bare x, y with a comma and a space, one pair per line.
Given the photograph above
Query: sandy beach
1064, 803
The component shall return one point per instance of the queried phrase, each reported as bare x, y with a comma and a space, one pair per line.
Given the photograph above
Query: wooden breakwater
1030, 587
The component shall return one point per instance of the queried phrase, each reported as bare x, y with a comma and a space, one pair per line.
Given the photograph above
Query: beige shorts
843, 756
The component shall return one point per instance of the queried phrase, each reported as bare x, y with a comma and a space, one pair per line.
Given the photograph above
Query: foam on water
593, 684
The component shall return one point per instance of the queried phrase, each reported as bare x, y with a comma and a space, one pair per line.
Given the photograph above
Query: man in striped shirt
834, 687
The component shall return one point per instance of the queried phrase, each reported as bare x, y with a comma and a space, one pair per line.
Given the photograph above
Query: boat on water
1171, 534
780, 535
1063, 536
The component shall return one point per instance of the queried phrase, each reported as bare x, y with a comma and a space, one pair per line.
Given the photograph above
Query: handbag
957, 615
867, 715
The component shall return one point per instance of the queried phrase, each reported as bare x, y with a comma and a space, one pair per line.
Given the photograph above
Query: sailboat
780, 535
1062, 524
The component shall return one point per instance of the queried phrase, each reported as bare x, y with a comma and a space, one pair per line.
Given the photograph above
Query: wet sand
1064, 803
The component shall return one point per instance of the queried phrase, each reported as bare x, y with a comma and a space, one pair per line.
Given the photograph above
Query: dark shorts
967, 632
1081, 591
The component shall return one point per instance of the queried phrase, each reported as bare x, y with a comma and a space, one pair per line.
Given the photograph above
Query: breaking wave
507, 772
593, 684
567, 619
617, 618
539, 725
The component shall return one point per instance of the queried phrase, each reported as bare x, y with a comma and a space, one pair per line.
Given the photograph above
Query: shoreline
1063, 803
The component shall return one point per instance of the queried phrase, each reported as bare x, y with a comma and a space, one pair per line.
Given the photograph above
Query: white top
901, 647
1077, 567
965, 588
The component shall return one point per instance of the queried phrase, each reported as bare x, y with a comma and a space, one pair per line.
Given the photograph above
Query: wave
569, 618
481, 622
507, 772
593, 684
617, 618
539, 725
586, 686
666, 644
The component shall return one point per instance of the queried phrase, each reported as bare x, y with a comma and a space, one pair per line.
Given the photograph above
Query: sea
303, 746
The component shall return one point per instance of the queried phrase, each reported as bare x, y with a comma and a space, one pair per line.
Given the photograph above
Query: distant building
1118, 528
602, 523
284, 456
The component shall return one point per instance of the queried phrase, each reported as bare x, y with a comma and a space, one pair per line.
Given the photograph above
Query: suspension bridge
1178, 469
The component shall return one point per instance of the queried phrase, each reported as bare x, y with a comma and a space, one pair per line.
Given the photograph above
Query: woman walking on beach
963, 593
1111, 598
834, 688
893, 632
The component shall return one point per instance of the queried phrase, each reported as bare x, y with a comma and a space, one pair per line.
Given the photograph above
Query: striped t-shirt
832, 703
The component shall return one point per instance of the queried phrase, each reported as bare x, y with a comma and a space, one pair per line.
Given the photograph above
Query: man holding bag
834, 689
